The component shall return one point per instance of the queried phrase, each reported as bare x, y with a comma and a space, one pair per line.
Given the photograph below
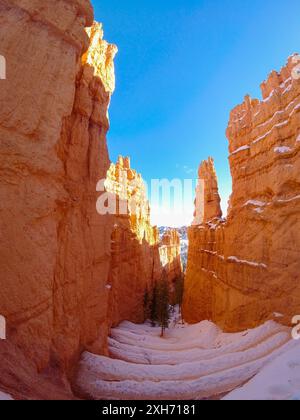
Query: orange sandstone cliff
208, 201
170, 256
67, 272
55, 250
247, 270
135, 264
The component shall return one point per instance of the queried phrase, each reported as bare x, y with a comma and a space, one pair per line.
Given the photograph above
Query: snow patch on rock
282, 149
5, 397
250, 263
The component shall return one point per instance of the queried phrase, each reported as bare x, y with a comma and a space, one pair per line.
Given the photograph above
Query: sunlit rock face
245, 271
208, 201
55, 248
135, 264
82, 266
170, 256
131, 199
183, 238
139, 257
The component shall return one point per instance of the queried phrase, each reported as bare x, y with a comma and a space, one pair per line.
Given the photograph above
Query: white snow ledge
5, 397
250, 263
240, 149
282, 149
255, 203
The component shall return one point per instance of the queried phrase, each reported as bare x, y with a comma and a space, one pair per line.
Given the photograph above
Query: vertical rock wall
84, 252
40, 297
58, 255
170, 256
246, 270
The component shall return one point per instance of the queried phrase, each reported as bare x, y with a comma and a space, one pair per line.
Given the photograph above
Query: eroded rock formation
83, 261
55, 248
208, 201
246, 270
135, 264
170, 256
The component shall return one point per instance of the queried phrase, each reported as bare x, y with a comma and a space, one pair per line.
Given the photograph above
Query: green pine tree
162, 303
148, 298
153, 307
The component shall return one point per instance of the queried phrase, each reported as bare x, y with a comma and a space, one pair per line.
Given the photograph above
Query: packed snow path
279, 380
5, 397
190, 363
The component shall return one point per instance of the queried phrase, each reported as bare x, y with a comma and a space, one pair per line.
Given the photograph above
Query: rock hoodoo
139, 258
129, 190
245, 271
208, 201
135, 264
170, 255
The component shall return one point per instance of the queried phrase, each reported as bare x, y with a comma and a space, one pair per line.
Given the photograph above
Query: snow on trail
204, 387
222, 344
116, 370
280, 380
191, 362
198, 336
5, 397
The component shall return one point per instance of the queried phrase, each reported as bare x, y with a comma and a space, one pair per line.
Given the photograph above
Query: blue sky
182, 66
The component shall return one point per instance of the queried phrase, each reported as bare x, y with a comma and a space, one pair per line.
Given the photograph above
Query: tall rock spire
207, 203
245, 270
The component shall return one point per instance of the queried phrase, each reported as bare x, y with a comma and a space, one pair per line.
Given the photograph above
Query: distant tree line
159, 302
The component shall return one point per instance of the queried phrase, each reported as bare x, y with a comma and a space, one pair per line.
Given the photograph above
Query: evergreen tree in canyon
157, 304
153, 307
162, 303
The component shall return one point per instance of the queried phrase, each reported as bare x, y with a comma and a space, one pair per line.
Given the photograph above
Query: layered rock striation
135, 264
245, 271
49, 151
84, 252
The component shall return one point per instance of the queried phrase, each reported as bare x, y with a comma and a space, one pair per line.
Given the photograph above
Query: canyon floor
193, 362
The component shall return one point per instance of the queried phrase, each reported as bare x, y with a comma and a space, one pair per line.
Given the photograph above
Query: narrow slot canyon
100, 304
